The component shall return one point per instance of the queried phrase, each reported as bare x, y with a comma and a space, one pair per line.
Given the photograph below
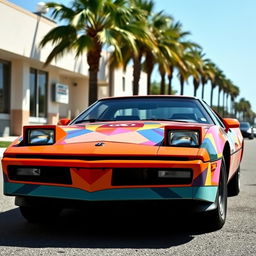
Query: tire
217, 217
39, 214
234, 184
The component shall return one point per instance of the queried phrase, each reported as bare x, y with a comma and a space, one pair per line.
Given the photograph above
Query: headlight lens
40, 136
183, 138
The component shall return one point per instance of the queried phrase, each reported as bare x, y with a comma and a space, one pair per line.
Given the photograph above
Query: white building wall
123, 82
21, 33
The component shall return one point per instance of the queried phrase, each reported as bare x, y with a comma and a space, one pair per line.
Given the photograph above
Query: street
78, 233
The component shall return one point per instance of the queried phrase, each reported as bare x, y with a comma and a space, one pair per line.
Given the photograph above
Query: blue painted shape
152, 135
201, 193
166, 193
26, 189
75, 133
207, 144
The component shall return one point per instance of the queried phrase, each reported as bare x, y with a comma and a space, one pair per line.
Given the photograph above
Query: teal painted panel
205, 193
202, 193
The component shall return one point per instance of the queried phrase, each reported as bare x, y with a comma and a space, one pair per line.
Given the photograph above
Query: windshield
148, 108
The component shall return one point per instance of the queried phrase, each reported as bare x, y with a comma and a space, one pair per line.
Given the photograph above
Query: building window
38, 93
5, 78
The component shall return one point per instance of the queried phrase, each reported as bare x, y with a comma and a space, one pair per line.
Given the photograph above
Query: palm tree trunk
93, 86
149, 63
232, 107
218, 108
170, 76
213, 86
203, 84
181, 85
196, 85
136, 74
227, 103
223, 103
162, 88
149, 83
93, 59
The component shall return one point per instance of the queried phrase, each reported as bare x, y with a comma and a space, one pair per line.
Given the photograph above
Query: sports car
141, 148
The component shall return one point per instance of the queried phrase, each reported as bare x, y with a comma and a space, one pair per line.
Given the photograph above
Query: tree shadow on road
104, 228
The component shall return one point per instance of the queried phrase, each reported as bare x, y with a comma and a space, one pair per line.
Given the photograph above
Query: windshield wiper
93, 120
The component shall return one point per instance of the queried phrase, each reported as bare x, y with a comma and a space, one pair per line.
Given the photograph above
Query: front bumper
84, 187
198, 193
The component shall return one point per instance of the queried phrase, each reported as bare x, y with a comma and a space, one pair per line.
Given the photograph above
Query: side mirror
231, 123
64, 121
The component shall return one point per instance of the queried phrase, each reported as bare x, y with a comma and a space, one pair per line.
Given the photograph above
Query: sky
226, 31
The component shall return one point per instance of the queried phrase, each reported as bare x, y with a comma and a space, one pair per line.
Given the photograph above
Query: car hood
130, 138
143, 133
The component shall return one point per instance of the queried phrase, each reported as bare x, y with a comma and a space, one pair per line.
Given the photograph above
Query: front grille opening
151, 176
42, 174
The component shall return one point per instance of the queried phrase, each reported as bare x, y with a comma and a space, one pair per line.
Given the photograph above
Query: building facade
31, 93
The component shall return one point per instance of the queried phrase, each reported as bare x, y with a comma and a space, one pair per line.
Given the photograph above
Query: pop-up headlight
40, 136
183, 138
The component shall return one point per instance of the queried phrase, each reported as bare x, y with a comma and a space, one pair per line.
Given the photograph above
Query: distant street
119, 234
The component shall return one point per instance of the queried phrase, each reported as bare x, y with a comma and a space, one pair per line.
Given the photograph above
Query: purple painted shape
200, 180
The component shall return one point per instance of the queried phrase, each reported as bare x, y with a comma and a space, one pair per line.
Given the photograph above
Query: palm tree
208, 73
144, 41
233, 94
167, 34
192, 64
197, 68
148, 51
220, 82
181, 46
89, 26
245, 108
228, 91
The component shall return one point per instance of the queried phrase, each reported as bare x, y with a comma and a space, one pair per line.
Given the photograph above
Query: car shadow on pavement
83, 229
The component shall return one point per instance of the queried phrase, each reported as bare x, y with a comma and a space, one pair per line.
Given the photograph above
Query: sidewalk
11, 138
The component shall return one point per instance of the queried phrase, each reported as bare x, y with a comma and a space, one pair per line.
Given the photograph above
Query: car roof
150, 96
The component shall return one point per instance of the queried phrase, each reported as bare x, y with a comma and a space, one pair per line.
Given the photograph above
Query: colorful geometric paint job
150, 133
214, 143
200, 193
208, 177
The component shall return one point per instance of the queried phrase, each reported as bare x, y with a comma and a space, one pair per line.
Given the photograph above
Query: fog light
174, 174
28, 172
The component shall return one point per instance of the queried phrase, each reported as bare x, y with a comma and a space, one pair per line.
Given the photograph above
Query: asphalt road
136, 232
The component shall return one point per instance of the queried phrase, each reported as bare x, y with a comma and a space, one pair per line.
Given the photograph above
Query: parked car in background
166, 149
254, 130
247, 130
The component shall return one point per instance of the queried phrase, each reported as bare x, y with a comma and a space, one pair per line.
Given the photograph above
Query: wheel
217, 217
234, 184
39, 214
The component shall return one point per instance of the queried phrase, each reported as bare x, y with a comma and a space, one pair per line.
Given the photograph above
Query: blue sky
226, 30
